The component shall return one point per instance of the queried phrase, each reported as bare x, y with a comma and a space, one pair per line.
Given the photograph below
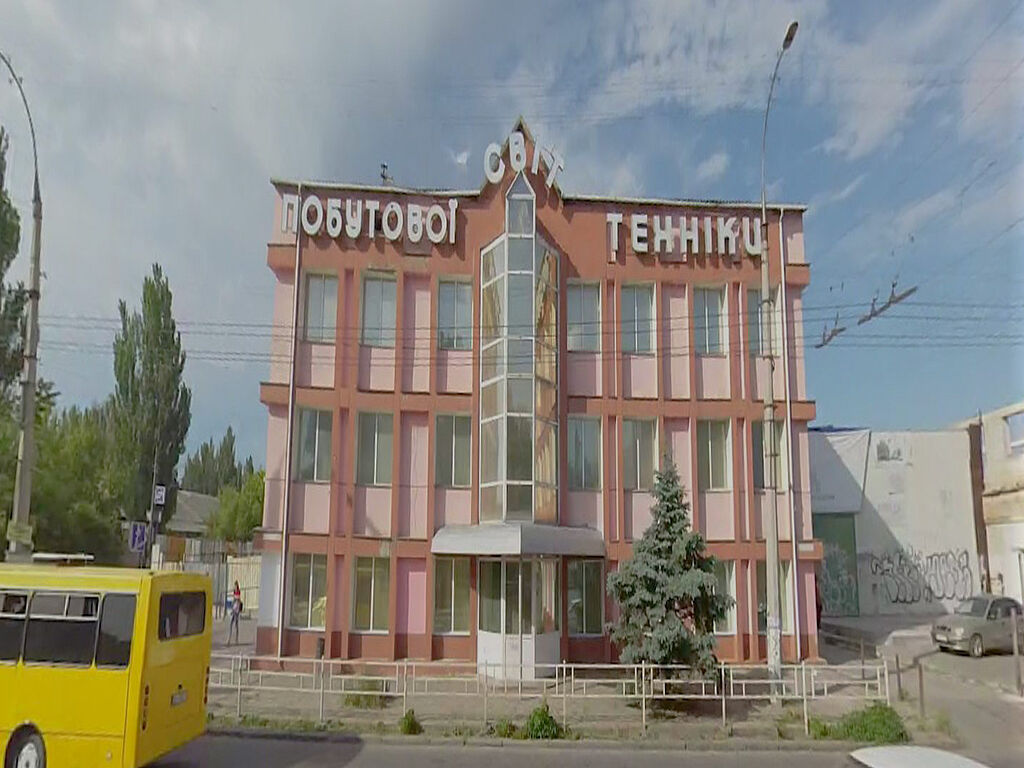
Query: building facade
477, 387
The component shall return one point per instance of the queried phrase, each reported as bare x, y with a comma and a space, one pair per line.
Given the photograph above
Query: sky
899, 124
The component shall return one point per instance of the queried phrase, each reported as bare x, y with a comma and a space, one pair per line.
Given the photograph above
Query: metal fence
565, 685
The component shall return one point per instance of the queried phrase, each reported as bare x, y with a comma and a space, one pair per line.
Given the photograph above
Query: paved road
225, 752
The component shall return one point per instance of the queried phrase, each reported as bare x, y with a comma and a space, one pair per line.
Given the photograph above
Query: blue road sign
138, 538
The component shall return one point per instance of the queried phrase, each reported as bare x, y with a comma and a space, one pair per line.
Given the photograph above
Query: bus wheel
28, 751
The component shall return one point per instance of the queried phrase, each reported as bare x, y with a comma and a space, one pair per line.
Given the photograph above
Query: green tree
239, 511
152, 402
212, 468
666, 591
12, 297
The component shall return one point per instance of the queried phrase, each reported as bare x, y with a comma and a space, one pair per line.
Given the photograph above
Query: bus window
114, 646
13, 607
53, 636
182, 614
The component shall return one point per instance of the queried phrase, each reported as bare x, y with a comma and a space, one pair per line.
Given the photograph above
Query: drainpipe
794, 536
291, 425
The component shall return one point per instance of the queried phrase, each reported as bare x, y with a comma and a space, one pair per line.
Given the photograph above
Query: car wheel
977, 647
28, 752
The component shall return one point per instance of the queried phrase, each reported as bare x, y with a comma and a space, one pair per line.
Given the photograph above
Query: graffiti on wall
837, 581
909, 577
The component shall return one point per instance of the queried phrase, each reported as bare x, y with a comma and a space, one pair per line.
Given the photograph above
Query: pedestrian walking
236, 611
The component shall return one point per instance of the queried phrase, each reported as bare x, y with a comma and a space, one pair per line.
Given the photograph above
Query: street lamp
20, 544
771, 534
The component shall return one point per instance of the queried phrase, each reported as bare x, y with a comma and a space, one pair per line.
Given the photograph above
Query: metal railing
564, 683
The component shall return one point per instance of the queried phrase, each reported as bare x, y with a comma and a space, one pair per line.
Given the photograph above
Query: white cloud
992, 94
713, 167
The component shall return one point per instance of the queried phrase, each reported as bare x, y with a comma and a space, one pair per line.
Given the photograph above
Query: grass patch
365, 694
409, 725
541, 725
876, 724
943, 724
505, 729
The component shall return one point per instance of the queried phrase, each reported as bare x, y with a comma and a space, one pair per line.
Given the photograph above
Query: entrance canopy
517, 539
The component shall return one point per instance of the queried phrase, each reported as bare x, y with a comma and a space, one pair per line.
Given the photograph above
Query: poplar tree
666, 592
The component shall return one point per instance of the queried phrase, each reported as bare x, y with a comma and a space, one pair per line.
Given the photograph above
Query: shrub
541, 725
877, 724
505, 729
371, 699
409, 725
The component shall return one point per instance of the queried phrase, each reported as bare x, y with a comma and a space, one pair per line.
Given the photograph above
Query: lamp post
18, 548
770, 452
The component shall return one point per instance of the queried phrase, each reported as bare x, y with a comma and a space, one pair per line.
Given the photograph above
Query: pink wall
377, 368
762, 501
760, 378
676, 342
808, 618
412, 596
454, 370
639, 376
801, 479
584, 509
713, 377
716, 515
310, 508
416, 323
280, 341
452, 506
314, 365
677, 440
638, 513
583, 373
794, 304
371, 513
340, 619
277, 455
414, 481
793, 232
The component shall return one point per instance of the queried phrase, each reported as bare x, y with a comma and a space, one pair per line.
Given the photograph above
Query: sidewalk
246, 645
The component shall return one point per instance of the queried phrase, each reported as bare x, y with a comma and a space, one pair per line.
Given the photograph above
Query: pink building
476, 388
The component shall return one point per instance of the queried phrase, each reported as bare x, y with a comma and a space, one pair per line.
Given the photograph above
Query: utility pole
771, 533
20, 547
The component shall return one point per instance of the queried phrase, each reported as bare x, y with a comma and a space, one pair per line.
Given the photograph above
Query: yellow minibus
100, 666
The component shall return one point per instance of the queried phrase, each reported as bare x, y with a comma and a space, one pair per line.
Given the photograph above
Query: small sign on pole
19, 532
159, 495
137, 540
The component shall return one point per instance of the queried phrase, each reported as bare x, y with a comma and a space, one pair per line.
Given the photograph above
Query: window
713, 455
182, 614
638, 319
707, 320
61, 628
314, 446
117, 620
379, 312
785, 590
758, 448
373, 460
451, 451
309, 591
321, 308
638, 452
490, 596
371, 603
586, 601
584, 454
754, 340
451, 595
455, 316
725, 584
584, 321
1015, 433
13, 608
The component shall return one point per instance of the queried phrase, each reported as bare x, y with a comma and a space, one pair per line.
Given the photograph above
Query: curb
724, 745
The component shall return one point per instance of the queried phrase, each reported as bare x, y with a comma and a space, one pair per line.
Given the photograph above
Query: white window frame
723, 339
785, 593
597, 332
382, 277
655, 459
451, 631
373, 591
451, 481
602, 585
730, 614
459, 323
654, 319
323, 276
710, 456
297, 458
583, 469
376, 437
309, 594
758, 450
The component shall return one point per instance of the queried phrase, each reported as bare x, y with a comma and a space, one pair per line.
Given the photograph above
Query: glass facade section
519, 369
